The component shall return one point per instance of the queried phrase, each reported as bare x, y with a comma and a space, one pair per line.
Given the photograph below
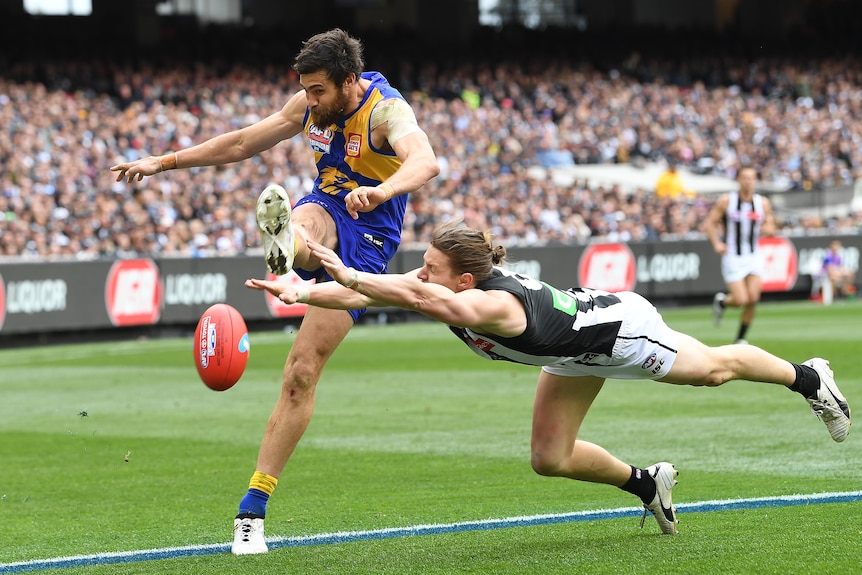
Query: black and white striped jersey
576, 325
742, 222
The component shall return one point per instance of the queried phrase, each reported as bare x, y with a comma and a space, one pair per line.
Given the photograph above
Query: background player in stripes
744, 216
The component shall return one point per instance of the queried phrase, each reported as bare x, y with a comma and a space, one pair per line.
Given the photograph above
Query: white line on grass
435, 529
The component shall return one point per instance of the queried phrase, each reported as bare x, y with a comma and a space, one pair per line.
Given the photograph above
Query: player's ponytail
468, 250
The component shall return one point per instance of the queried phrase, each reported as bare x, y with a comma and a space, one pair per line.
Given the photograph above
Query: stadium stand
496, 123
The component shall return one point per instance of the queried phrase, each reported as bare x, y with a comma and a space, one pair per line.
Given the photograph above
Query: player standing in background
370, 152
744, 216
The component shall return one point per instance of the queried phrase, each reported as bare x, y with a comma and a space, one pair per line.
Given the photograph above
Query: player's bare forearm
399, 290
330, 295
419, 164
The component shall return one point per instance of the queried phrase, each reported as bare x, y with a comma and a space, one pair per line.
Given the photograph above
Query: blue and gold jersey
347, 159
343, 152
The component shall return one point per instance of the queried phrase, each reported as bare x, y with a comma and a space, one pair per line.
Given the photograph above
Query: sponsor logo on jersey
372, 239
480, 344
740, 215
354, 145
320, 138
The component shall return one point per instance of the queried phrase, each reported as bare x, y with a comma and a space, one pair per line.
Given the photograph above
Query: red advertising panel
609, 267
133, 294
780, 264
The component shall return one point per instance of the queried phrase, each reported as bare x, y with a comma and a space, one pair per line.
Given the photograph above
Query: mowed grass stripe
419, 530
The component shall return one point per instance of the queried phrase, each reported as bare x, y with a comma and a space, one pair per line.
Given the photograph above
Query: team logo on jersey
649, 361
653, 362
740, 216
320, 138
354, 145
333, 182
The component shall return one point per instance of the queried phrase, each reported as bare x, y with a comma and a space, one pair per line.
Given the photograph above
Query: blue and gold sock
253, 505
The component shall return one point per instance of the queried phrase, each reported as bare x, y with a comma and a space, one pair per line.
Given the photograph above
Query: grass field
118, 447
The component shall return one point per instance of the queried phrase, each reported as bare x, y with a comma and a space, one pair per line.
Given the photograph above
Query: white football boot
248, 537
661, 506
273, 219
829, 404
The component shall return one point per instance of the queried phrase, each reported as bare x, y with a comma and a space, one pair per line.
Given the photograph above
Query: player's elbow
429, 166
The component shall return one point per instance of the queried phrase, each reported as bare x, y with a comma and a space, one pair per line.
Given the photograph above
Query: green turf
411, 428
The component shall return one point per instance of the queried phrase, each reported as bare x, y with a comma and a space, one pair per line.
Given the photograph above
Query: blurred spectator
837, 272
494, 125
670, 185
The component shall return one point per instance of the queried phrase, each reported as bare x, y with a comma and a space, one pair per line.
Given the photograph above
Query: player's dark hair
335, 52
468, 250
744, 167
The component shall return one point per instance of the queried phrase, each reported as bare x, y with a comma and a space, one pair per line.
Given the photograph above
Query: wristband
303, 294
353, 279
168, 162
387, 187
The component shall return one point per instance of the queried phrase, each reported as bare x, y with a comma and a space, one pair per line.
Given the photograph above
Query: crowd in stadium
798, 121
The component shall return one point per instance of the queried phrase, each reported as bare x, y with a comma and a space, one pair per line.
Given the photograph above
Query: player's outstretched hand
287, 294
330, 262
138, 169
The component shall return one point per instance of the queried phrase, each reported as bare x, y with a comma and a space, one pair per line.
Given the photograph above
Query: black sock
640, 484
743, 328
807, 381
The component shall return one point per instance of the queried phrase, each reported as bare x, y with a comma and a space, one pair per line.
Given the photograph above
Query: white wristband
353, 282
303, 294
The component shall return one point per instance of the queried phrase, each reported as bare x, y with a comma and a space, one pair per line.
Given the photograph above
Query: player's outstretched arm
468, 308
224, 148
330, 295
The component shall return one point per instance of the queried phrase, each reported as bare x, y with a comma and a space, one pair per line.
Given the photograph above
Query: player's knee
715, 378
299, 378
544, 465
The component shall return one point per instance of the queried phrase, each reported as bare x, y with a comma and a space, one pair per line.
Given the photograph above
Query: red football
221, 346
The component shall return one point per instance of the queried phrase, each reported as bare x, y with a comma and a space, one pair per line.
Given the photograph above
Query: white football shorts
735, 268
645, 348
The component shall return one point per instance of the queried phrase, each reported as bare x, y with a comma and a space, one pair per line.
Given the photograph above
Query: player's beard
324, 117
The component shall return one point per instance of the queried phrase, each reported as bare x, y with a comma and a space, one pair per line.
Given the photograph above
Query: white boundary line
430, 529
